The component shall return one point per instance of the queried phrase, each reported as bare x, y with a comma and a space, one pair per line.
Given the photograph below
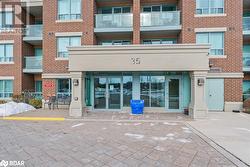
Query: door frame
107, 89
168, 78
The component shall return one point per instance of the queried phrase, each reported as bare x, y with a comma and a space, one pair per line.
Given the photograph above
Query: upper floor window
159, 41
6, 53
6, 88
6, 19
159, 8
114, 10
215, 39
116, 42
64, 42
209, 6
69, 9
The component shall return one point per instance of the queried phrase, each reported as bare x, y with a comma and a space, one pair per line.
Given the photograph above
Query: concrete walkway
229, 130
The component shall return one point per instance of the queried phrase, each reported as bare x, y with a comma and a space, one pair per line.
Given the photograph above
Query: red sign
48, 84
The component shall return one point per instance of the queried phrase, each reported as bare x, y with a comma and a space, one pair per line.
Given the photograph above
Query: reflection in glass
174, 98
100, 93
144, 87
127, 90
114, 88
157, 91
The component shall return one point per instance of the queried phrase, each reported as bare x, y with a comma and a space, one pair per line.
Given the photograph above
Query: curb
34, 118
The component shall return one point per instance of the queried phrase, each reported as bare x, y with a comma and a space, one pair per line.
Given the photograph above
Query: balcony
33, 64
114, 22
246, 25
246, 61
33, 34
160, 21
31, 3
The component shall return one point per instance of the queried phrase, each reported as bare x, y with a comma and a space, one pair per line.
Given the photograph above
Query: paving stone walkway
83, 143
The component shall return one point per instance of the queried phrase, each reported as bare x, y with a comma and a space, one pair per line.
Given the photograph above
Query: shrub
17, 98
37, 103
3, 101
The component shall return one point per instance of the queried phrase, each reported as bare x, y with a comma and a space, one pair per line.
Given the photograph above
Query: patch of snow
170, 135
152, 124
80, 124
169, 123
136, 136
104, 128
136, 124
187, 131
243, 129
119, 124
12, 108
185, 128
159, 148
160, 138
183, 140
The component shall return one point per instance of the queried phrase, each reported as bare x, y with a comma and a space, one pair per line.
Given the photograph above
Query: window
38, 86
215, 39
69, 9
64, 42
63, 88
159, 41
6, 88
6, 19
6, 53
209, 6
246, 89
116, 42
115, 10
159, 8
127, 90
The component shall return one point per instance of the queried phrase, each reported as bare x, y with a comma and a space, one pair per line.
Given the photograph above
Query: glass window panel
63, 7
117, 43
1, 20
202, 38
167, 41
156, 8
202, 4
126, 10
145, 90
126, 42
75, 6
75, 41
156, 42
174, 97
1, 87
106, 43
147, 42
38, 52
8, 86
63, 86
146, 9
157, 91
38, 86
217, 43
127, 90
216, 4
9, 51
117, 10
168, 8
62, 44
106, 11
9, 18
2, 51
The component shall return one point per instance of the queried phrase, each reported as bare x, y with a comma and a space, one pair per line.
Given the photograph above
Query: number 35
136, 60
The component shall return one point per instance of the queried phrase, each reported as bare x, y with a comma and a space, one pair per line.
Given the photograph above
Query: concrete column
78, 99
198, 107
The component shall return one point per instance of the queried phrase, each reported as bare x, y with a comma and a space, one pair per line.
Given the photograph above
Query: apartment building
173, 54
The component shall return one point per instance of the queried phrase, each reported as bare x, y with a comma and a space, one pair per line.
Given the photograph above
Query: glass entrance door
173, 99
107, 93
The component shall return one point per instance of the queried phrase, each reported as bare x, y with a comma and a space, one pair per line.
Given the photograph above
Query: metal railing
154, 19
246, 23
6, 59
34, 30
121, 20
6, 95
34, 62
246, 60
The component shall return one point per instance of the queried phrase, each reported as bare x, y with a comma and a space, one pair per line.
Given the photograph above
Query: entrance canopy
177, 57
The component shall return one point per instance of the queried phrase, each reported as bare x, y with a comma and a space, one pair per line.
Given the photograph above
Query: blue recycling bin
137, 106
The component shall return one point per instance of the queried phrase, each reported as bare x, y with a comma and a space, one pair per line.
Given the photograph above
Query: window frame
6, 58
209, 9
6, 94
4, 19
68, 93
161, 41
78, 16
209, 37
64, 53
161, 7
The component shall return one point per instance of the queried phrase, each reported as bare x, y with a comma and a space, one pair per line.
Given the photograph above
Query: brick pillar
136, 21
89, 8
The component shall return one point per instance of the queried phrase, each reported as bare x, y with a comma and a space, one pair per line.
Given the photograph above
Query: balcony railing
33, 63
124, 20
246, 23
246, 60
155, 19
34, 31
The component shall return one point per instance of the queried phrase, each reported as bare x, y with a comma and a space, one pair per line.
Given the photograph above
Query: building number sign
136, 60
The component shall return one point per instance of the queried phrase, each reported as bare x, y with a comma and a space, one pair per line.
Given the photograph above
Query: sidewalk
229, 130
